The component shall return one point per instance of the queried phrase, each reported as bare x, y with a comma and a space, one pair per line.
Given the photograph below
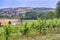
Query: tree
58, 9
42, 16
9, 22
31, 15
51, 14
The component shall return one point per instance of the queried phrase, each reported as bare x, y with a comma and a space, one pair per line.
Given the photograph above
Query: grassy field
28, 20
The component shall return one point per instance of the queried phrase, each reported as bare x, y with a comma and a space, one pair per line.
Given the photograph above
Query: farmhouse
13, 21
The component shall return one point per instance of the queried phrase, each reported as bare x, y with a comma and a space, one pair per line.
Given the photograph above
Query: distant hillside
12, 12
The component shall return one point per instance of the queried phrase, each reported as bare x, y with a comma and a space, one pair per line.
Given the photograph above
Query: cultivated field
32, 30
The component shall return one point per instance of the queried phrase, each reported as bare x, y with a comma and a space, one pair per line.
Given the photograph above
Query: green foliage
51, 15
28, 28
2, 33
58, 9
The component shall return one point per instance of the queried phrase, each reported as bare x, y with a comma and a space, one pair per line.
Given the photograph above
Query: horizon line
29, 7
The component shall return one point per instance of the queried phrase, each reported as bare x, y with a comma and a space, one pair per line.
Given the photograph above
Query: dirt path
47, 37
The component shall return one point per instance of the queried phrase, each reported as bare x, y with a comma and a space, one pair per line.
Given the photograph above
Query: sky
28, 3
